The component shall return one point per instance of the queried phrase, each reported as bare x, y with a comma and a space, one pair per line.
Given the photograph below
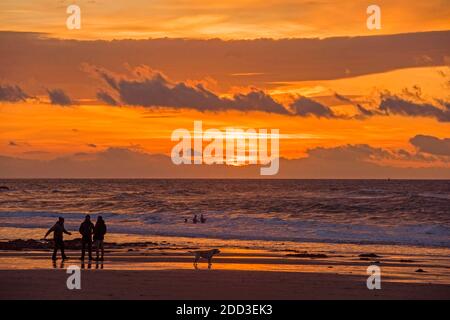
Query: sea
400, 212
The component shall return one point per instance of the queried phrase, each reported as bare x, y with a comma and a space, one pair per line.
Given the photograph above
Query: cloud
274, 60
410, 104
362, 161
364, 113
360, 152
92, 145
13, 144
343, 98
106, 98
367, 153
12, 93
347, 161
398, 106
35, 152
152, 89
58, 96
431, 145
444, 104
303, 106
155, 89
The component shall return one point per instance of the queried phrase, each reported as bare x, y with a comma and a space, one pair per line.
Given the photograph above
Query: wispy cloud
304, 106
11, 93
59, 97
399, 106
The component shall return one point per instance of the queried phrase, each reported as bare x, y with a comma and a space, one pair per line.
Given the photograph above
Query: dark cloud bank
156, 90
269, 60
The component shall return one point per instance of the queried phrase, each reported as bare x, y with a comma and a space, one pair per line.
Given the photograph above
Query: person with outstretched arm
58, 232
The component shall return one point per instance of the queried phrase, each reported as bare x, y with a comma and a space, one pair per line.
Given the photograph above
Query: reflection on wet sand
396, 267
62, 265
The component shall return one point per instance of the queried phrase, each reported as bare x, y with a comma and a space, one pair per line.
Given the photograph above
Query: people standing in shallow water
195, 220
58, 232
99, 236
86, 230
202, 218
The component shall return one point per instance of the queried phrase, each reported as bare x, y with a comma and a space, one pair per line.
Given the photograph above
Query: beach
206, 285
293, 239
165, 271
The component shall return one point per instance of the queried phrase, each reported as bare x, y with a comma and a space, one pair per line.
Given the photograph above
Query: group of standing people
89, 233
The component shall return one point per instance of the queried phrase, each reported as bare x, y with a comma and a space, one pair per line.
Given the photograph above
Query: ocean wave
239, 227
435, 195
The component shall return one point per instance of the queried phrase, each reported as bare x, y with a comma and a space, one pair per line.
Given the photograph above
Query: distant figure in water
202, 218
99, 236
185, 220
86, 230
195, 220
58, 231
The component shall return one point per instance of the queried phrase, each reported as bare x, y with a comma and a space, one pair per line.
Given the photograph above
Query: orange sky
40, 126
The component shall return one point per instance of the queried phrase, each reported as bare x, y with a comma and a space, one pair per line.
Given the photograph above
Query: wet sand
205, 284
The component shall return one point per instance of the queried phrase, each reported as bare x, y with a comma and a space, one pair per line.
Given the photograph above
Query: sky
103, 101
225, 19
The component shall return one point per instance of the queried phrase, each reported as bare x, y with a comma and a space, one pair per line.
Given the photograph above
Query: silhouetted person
58, 231
195, 220
86, 230
99, 235
202, 218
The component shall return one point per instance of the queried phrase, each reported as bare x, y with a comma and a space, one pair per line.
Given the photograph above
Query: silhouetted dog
205, 254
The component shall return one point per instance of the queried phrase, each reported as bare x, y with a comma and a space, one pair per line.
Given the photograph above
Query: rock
420, 270
29, 244
4, 188
73, 244
369, 255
